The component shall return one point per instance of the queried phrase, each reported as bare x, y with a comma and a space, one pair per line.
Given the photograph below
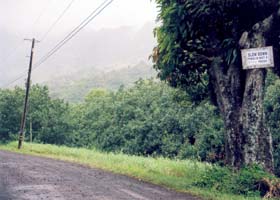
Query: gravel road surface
25, 177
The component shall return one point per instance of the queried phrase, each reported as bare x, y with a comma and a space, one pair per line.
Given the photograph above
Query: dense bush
48, 117
148, 119
244, 182
11, 103
272, 107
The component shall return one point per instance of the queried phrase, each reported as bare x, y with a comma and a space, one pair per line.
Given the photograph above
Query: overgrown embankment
201, 179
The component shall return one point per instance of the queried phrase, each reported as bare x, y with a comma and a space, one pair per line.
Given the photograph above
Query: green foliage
150, 119
11, 103
244, 182
272, 108
48, 117
187, 42
207, 127
216, 178
188, 176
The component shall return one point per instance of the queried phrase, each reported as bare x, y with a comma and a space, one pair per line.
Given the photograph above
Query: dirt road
25, 177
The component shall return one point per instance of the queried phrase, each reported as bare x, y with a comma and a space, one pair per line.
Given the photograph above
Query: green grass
179, 175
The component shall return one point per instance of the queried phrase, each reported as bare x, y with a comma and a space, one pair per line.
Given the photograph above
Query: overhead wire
56, 21
44, 9
13, 50
16, 79
68, 37
20, 44
75, 31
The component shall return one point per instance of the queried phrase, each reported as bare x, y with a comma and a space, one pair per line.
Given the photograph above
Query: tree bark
240, 95
228, 90
257, 140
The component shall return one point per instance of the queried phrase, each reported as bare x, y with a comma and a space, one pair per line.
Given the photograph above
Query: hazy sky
33, 17
21, 19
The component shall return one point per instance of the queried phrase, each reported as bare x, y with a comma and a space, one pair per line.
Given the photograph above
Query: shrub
243, 182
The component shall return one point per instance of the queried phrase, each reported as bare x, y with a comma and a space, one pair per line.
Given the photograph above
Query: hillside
105, 49
75, 86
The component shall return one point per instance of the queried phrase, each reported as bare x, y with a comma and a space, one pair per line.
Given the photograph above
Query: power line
41, 14
68, 37
20, 44
56, 21
20, 76
74, 32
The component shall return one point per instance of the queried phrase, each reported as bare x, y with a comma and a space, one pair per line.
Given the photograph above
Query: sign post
257, 58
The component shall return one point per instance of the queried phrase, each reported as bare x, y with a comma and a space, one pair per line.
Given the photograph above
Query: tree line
150, 119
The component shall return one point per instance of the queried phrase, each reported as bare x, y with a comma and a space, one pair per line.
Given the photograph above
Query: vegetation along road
32, 178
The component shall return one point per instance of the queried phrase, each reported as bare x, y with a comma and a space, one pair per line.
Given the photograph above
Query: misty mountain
100, 50
74, 87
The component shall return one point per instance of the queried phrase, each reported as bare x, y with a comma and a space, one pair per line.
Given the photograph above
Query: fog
121, 35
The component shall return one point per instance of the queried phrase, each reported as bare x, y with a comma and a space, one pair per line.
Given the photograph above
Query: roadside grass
180, 175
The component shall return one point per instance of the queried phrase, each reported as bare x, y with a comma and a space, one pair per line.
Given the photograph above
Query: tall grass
179, 175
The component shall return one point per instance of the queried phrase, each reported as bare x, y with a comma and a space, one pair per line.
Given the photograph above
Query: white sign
257, 58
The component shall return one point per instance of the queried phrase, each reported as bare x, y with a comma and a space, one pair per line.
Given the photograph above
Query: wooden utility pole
30, 132
23, 119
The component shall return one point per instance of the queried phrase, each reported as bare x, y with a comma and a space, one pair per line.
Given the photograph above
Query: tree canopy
199, 45
193, 32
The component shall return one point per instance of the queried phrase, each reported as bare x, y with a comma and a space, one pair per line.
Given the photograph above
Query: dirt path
25, 177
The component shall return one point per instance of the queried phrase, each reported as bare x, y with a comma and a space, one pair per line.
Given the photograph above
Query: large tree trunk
240, 95
228, 90
257, 147
241, 104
